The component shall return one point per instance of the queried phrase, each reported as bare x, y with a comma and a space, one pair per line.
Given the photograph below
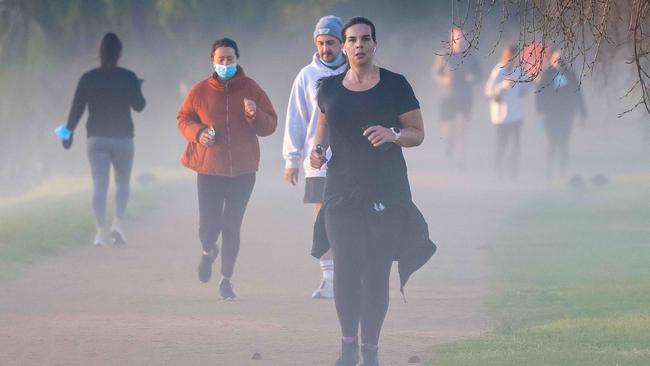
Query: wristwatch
397, 132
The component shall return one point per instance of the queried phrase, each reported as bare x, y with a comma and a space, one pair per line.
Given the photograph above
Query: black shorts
314, 189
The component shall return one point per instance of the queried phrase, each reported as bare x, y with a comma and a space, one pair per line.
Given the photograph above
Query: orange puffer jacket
212, 103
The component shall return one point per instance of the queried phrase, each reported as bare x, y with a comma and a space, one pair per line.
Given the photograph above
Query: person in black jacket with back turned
559, 100
109, 92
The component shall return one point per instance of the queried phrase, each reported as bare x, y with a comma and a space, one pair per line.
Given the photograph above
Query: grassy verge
50, 222
572, 283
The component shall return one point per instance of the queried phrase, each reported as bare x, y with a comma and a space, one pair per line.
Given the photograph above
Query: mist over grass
50, 222
571, 284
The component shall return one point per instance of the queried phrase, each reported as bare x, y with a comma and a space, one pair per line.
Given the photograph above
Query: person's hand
378, 135
317, 157
291, 175
67, 143
206, 138
250, 109
507, 83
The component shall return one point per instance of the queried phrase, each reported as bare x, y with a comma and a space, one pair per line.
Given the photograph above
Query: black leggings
558, 133
364, 243
505, 133
222, 204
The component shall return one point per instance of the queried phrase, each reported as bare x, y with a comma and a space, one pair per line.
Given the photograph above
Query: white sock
327, 266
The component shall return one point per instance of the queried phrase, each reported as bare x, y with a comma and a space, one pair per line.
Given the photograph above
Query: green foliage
571, 286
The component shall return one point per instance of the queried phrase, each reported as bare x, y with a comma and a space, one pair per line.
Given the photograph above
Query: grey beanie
329, 25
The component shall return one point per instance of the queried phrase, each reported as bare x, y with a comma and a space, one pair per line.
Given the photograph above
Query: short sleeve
405, 97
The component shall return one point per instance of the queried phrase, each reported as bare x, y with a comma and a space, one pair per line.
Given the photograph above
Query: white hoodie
506, 101
302, 117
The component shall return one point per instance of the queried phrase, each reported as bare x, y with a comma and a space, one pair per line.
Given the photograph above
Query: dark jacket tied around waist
415, 248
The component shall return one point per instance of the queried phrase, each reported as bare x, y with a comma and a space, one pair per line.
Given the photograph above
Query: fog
273, 56
149, 291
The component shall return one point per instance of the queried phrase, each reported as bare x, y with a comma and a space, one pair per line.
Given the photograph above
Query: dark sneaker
205, 266
119, 237
349, 354
225, 290
369, 356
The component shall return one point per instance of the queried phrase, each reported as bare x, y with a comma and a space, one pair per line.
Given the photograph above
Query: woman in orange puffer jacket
221, 118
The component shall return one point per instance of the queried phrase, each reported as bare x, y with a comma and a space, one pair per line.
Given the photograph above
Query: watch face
396, 129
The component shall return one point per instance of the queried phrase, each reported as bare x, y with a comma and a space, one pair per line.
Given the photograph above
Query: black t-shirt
357, 169
109, 93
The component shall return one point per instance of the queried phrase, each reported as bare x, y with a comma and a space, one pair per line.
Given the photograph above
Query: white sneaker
102, 238
325, 291
117, 232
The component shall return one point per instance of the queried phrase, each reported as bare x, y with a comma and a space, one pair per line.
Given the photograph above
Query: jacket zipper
228, 129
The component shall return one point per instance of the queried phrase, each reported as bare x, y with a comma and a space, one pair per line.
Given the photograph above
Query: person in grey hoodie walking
301, 122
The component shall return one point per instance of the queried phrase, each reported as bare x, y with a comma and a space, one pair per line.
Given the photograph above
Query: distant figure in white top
506, 92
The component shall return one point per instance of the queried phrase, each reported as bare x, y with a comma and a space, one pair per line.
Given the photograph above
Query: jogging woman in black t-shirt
367, 114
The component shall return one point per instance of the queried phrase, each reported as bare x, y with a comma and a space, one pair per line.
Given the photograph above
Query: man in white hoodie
505, 92
301, 122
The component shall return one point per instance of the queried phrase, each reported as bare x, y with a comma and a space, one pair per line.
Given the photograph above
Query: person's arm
295, 131
137, 100
491, 89
260, 114
316, 158
409, 117
189, 122
496, 85
78, 104
411, 132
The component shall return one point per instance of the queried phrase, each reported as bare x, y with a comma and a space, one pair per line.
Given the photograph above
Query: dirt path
142, 304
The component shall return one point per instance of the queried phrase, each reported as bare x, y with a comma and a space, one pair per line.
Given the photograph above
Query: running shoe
102, 238
205, 265
324, 291
349, 354
226, 290
369, 356
117, 232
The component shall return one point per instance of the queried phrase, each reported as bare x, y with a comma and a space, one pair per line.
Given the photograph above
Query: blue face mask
334, 62
226, 71
560, 81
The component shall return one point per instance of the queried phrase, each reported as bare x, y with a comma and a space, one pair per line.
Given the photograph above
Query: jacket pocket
194, 156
